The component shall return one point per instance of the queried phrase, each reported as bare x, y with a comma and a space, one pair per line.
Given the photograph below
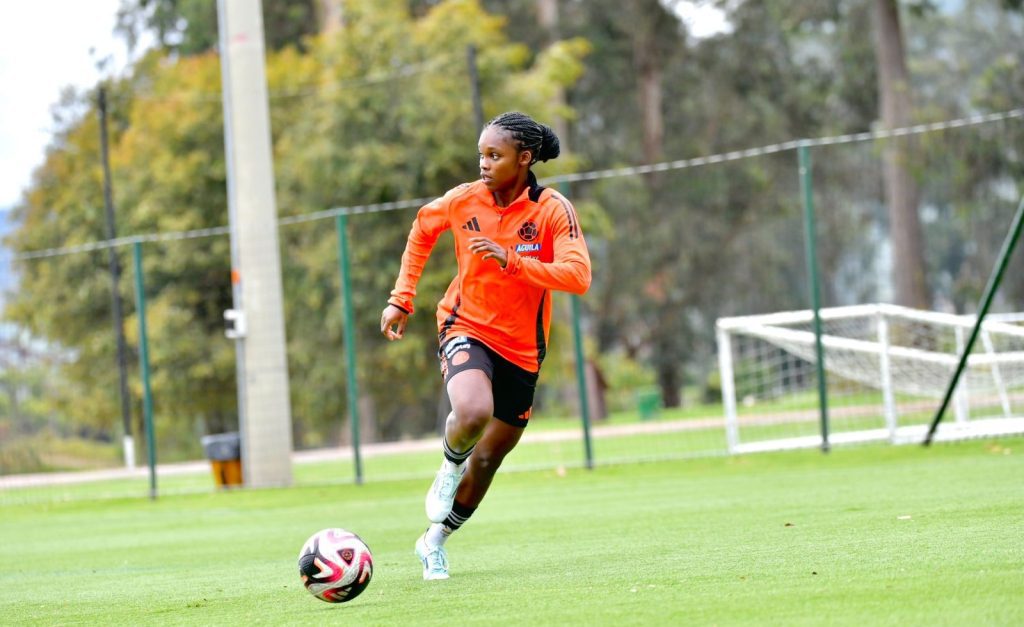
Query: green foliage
347, 129
380, 111
370, 144
48, 451
189, 27
752, 381
624, 377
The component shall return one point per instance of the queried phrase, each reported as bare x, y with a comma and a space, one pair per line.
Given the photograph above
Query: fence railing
722, 236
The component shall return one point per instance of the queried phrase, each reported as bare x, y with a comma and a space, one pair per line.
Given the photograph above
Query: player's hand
393, 317
489, 249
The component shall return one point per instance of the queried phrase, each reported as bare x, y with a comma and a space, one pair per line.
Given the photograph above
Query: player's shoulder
553, 200
462, 190
455, 196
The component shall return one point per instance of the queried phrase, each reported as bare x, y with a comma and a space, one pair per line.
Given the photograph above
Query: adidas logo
472, 225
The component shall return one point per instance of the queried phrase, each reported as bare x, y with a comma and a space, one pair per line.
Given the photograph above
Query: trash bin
224, 450
648, 403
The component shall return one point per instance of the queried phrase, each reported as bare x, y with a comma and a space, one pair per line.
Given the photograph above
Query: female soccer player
515, 241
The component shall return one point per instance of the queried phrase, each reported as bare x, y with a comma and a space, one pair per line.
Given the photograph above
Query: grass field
874, 535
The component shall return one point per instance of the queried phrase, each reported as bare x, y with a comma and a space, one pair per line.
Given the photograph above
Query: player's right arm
430, 222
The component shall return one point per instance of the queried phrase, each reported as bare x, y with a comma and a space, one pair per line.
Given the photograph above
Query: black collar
535, 189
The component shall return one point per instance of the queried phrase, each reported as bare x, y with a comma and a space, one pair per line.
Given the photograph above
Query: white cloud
702, 18
45, 46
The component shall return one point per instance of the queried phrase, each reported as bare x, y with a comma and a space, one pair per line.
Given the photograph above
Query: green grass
874, 535
529, 455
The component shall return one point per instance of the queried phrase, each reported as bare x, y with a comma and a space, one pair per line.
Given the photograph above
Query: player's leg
513, 390
472, 406
468, 368
469, 388
471, 429
498, 440
470, 393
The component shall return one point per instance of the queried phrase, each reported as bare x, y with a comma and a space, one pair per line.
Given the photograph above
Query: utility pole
115, 281
264, 407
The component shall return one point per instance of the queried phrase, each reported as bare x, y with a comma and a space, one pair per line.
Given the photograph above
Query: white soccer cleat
442, 492
434, 558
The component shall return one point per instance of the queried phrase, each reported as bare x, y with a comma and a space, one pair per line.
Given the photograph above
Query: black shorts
511, 386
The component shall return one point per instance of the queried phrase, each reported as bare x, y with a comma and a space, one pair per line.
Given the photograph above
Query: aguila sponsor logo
527, 248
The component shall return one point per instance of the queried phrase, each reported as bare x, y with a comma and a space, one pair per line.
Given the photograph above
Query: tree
189, 27
901, 193
377, 111
682, 239
966, 60
393, 139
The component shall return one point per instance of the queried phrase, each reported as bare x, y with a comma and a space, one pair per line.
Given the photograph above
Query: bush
624, 377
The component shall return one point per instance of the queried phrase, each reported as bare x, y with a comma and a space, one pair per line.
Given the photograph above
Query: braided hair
528, 134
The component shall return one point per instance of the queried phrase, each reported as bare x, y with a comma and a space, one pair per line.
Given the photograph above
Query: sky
47, 45
55, 43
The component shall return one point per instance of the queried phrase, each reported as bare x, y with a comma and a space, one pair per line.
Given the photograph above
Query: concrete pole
265, 422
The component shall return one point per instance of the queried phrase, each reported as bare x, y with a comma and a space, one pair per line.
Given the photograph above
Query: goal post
887, 367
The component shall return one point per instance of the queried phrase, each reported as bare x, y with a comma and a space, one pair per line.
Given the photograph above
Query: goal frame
764, 325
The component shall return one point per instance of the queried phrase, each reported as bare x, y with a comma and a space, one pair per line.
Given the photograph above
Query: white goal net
886, 368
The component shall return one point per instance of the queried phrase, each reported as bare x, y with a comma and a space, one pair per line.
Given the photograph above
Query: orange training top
508, 309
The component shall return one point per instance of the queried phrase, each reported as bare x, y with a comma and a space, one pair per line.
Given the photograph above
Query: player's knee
487, 459
473, 415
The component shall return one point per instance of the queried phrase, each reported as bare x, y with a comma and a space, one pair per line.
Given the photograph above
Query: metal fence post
581, 370
986, 301
348, 321
147, 391
810, 238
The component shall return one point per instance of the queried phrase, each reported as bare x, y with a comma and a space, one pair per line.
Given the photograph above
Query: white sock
449, 466
437, 534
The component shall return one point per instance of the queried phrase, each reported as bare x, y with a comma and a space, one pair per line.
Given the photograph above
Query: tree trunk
650, 111
901, 192
649, 52
330, 15
596, 386
647, 60
670, 384
368, 431
547, 18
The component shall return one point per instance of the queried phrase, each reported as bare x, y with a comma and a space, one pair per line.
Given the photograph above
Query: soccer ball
335, 565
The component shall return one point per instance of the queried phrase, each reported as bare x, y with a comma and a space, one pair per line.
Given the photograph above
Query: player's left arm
569, 270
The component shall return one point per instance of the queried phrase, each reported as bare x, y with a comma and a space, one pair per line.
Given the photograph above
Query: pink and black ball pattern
335, 565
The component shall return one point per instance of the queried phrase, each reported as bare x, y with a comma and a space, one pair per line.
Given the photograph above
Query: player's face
500, 163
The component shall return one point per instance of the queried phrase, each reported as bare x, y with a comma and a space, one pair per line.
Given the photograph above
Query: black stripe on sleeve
570, 215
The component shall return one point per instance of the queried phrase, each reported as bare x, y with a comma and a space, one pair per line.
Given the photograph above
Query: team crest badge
528, 232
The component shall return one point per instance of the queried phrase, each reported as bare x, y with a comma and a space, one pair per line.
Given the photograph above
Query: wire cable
563, 178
